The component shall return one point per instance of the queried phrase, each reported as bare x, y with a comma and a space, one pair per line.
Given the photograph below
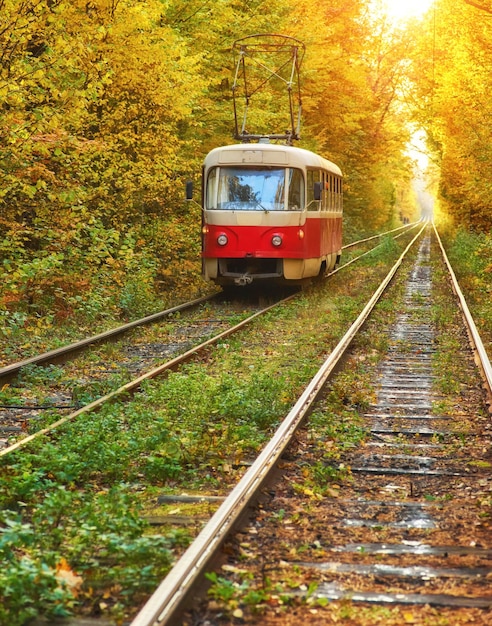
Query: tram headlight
276, 240
300, 233
222, 240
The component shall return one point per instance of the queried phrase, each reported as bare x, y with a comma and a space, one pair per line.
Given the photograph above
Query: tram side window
296, 190
339, 194
326, 192
313, 176
211, 199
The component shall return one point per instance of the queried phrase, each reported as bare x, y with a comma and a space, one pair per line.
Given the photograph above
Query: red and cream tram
270, 212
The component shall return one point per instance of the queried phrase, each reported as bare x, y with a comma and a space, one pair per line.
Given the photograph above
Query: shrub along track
385, 496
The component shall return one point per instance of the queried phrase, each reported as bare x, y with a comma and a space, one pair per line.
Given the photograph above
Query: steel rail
131, 386
168, 599
482, 357
357, 258
56, 354
406, 227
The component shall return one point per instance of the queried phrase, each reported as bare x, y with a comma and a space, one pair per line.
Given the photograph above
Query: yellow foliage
109, 106
454, 84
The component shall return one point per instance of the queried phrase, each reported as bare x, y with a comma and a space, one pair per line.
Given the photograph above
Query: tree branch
479, 6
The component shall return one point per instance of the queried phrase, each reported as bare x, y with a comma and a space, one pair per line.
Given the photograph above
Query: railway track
138, 363
95, 373
94, 434
400, 520
66, 353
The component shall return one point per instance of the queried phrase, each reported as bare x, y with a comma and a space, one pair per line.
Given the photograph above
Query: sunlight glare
399, 10
417, 150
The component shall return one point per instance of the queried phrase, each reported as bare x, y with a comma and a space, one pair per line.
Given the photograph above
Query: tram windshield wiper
261, 206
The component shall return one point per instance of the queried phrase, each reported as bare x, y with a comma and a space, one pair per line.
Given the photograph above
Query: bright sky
417, 150
404, 9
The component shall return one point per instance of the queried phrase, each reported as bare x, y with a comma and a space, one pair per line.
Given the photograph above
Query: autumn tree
96, 96
108, 106
355, 64
452, 71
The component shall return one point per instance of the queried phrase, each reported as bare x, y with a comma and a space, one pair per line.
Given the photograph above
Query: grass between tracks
72, 531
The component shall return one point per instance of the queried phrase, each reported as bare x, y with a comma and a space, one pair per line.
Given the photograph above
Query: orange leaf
67, 577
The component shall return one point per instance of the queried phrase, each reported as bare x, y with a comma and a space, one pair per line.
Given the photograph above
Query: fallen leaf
67, 577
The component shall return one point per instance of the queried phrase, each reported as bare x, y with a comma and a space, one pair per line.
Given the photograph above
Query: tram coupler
243, 280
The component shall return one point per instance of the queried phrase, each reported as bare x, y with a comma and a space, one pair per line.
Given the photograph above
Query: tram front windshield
255, 188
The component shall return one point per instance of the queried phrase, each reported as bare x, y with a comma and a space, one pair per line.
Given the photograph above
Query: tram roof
268, 154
